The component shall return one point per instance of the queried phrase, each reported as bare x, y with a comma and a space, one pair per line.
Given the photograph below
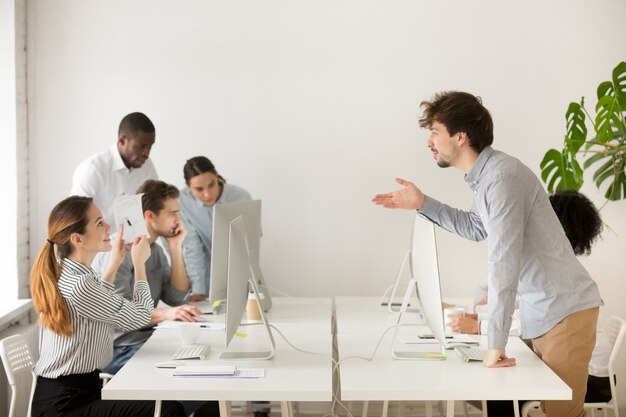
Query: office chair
18, 365
615, 329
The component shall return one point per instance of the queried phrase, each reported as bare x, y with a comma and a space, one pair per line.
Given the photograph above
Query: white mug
189, 333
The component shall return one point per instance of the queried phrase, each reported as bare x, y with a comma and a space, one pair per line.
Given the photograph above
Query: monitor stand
433, 355
396, 282
259, 355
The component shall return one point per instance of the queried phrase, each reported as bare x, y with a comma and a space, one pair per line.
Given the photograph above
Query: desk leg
385, 408
429, 409
516, 408
225, 408
286, 409
365, 406
157, 408
450, 408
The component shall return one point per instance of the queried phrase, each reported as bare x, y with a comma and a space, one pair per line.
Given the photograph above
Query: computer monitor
223, 215
427, 287
240, 280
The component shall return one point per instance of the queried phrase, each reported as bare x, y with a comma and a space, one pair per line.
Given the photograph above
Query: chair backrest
18, 365
615, 329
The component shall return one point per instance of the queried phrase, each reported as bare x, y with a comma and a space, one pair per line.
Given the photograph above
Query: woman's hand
140, 252
118, 250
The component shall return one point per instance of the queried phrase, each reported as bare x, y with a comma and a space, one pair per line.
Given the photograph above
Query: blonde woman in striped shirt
79, 310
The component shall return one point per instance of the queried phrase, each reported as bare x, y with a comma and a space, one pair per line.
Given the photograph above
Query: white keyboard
191, 352
470, 354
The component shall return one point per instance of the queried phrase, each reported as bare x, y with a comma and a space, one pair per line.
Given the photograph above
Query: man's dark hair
579, 217
460, 112
155, 193
135, 122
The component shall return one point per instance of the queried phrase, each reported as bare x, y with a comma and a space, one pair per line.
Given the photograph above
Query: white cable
334, 394
335, 366
383, 299
297, 348
368, 359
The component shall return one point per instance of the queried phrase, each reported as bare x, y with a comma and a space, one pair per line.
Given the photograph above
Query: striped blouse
95, 310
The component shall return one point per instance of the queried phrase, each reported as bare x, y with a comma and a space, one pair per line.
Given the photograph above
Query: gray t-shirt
158, 274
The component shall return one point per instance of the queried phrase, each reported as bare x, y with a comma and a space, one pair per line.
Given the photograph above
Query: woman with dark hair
78, 311
205, 188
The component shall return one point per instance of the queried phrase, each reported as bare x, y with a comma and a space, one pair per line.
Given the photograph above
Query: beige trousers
566, 349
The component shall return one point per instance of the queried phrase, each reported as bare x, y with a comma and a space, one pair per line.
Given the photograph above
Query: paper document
218, 372
459, 338
170, 324
129, 212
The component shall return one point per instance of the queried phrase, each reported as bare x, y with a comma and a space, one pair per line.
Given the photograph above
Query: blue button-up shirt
198, 219
529, 253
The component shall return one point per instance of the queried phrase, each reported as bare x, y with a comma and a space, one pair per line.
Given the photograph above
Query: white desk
290, 375
387, 379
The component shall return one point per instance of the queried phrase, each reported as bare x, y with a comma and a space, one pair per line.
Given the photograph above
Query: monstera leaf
619, 81
608, 124
576, 128
614, 161
561, 171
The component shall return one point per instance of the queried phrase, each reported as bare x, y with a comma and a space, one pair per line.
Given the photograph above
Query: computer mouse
169, 364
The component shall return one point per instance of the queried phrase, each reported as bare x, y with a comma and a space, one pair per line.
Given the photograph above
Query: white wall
312, 107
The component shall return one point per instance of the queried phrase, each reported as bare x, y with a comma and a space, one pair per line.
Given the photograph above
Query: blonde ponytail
47, 298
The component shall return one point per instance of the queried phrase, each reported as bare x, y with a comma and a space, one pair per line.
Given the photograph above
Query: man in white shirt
119, 170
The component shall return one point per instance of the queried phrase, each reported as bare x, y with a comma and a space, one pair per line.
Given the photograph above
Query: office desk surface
385, 378
290, 375
360, 324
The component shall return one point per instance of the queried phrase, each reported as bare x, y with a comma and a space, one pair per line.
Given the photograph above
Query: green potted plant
606, 151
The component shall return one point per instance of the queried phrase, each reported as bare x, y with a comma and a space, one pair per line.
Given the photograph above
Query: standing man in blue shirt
528, 251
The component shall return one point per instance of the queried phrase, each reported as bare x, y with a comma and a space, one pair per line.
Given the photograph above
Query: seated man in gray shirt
169, 284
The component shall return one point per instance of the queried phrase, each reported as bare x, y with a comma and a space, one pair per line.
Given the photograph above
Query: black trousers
79, 396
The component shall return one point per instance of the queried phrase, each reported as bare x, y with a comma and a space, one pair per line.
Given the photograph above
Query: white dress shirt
105, 177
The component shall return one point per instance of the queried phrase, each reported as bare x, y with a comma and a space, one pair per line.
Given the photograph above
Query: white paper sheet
129, 212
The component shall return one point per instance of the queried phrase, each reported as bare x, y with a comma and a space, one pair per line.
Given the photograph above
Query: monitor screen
425, 270
240, 276
239, 272
223, 215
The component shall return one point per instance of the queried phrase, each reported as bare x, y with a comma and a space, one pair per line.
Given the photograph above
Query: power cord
335, 368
